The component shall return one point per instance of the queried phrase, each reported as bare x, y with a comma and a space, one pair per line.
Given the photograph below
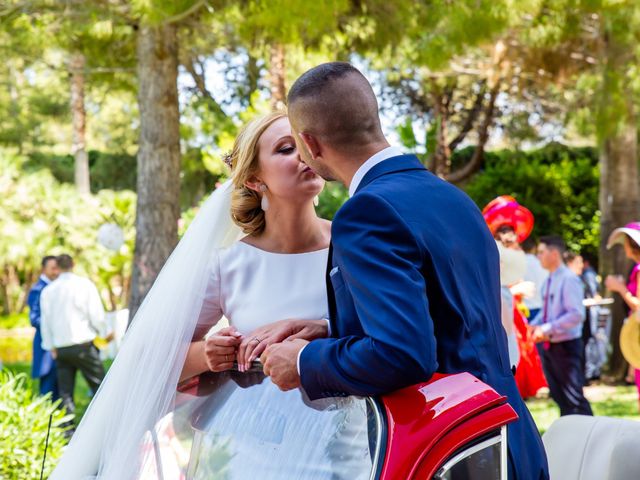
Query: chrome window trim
380, 428
503, 453
474, 449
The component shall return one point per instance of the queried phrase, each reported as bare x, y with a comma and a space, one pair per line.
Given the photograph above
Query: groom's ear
311, 144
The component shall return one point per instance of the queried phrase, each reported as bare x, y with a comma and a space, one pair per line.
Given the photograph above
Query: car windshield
239, 425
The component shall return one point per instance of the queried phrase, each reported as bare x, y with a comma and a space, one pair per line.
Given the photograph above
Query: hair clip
228, 159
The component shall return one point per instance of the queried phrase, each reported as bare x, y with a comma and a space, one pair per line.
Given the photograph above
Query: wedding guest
590, 275
510, 223
558, 329
629, 236
72, 314
512, 269
43, 366
535, 274
575, 263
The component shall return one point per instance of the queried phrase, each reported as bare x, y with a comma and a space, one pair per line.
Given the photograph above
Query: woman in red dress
511, 224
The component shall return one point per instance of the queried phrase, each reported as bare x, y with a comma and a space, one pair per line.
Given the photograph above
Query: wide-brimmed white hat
630, 229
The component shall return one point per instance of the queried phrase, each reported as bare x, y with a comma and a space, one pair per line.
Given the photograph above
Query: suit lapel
391, 165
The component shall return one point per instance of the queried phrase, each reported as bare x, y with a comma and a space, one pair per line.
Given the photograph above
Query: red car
239, 426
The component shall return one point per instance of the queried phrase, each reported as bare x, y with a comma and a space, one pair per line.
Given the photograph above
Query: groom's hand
280, 362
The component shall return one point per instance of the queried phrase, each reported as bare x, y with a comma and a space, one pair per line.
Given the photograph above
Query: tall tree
451, 65
594, 43
618, 135
77, 65
277, 74
158, 183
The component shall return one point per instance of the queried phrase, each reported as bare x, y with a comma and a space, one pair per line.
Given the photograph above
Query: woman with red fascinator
511, 223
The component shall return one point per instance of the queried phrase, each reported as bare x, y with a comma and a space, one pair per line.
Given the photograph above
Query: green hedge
112, 171
557, 183
118, 171
24, 421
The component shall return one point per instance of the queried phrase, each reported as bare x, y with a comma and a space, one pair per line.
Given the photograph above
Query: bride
256, 254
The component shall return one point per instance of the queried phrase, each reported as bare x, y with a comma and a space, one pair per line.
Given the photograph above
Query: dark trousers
83, 357
562, 365
49, 383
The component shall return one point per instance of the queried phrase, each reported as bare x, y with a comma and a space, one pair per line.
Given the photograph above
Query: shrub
16, 349
558, 184
14, 320
24, 420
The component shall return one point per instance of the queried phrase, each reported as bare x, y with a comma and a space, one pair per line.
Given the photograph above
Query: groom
413, 278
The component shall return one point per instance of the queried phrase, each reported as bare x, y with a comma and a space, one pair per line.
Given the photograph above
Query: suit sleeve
380, 263
34, 307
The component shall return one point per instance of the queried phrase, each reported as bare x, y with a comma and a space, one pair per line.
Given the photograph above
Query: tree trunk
4, 294
79, 120
277, 76
619, 204
158, 184
442, 155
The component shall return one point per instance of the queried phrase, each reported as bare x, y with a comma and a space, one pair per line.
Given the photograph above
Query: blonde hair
245, 203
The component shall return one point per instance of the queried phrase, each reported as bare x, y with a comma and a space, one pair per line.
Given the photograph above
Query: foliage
331, 199
15, 348
24, 420
14, 320
557, 183
113, 171
42, 216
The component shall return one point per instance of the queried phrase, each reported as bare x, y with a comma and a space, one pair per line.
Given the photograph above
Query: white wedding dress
253, 287
246, 427
231, 425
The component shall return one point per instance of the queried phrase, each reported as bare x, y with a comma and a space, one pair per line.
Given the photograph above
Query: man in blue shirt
557, 329
43, 365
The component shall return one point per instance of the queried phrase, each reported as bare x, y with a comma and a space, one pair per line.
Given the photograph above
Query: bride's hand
254, 344
220, 349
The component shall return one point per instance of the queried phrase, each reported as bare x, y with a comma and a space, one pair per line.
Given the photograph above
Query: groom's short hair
335, 102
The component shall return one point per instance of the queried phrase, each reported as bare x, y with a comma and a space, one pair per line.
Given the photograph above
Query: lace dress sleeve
211, 311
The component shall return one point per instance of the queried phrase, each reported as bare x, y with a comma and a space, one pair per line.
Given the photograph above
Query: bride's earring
264, 202
316, 200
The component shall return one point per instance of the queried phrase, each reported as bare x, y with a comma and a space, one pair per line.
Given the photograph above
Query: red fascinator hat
505, 210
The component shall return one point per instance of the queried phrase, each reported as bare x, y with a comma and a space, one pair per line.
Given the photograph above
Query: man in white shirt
71, 316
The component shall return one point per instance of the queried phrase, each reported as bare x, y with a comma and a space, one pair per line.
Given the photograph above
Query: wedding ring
226, 357
257, 339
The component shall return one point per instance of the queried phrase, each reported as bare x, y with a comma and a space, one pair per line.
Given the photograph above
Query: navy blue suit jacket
416, 281
42, 359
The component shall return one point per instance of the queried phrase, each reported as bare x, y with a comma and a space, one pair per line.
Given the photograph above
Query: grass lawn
81, 396
607, 400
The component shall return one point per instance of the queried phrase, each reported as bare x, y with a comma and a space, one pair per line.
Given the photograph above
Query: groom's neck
349, 162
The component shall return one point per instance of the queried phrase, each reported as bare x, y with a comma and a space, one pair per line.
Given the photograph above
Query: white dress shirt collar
369, 164
45, 279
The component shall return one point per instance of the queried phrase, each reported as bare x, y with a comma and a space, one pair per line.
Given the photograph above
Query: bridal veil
140, 387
